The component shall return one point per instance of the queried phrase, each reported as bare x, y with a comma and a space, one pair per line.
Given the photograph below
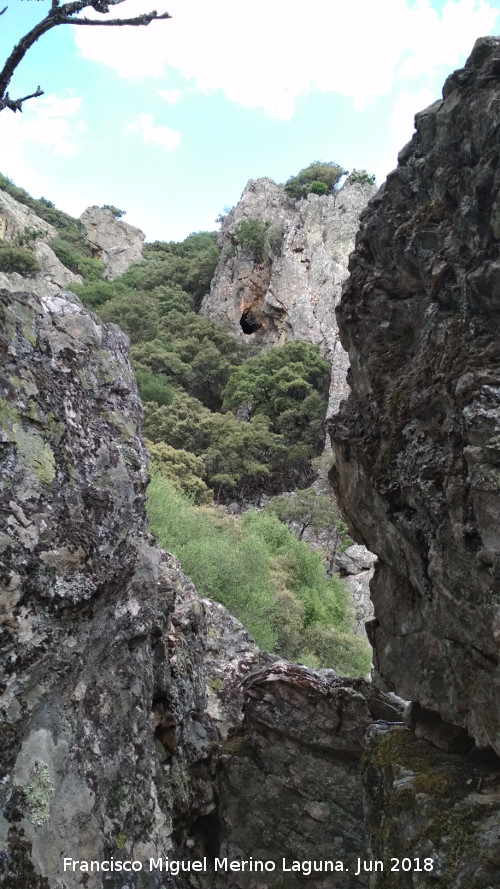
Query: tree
319, 178
61, 14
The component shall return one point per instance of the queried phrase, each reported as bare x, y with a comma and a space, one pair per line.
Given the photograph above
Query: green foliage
194, 352
18, 259
94, 293
115, 211
241, 457
183, 424
316, 187
79, 263
251, 235
274, 238
153, 387
216, 557
314, 176
189, 265
182, 470
27, 236
268, 579
288, 385
136, 314
361, 176
305, 508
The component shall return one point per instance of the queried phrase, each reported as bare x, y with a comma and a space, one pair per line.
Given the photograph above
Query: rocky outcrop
17, 220
290, 291
81, 603
416, 444
114, 242
432, 819
129, 706
355, 566
289, 782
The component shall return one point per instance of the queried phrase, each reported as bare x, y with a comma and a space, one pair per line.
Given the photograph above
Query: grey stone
416, 443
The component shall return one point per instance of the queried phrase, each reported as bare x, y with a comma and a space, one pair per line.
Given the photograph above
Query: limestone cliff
113, 241
15, 220
291, 290
416, 444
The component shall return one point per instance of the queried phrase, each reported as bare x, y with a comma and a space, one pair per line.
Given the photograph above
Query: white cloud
48, 122
268, 53
170, 96
158, 135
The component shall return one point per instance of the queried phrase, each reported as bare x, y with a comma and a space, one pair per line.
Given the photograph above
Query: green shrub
251, 235
153, 387
27, 236
135, 313
90, 269
182, 470
317, 174
361, 176
115, 211
316, 187
18, 259
214, 555
273, 583
274, 238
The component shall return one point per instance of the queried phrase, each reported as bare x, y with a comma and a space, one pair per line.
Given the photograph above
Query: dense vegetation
275, 584
323, 178
223, 421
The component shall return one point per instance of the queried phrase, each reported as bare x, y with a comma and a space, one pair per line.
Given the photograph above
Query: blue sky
169, 122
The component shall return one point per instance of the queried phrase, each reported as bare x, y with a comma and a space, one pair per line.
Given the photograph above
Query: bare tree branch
61, 15
15, 104
144, 19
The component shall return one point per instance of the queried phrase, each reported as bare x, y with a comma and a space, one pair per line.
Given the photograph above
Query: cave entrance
249, 323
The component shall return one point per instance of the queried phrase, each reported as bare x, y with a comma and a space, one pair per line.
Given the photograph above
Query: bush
182, 470
361, 176
90, 269
316, 187
274, 238
18, 259
269, 580
135, 313
216, 558
153, 387
251, 235
115, 211
317, 174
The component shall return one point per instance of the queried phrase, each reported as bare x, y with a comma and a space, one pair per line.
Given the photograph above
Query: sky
168, 122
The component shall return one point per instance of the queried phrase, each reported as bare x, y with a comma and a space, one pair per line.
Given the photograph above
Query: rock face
129, 706
416, 444
432, 819
290, 291
15, 220
81, 606
114, 242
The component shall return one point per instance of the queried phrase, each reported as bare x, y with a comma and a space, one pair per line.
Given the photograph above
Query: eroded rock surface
16, 220
416, 444
432, 819
81, 604
114, 242
291, 290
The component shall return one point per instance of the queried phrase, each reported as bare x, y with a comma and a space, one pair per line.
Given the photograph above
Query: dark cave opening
249, 323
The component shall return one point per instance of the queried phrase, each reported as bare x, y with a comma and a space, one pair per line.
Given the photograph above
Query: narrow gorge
146, 742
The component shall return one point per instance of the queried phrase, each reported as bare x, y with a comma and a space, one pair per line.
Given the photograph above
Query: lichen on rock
416, 443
